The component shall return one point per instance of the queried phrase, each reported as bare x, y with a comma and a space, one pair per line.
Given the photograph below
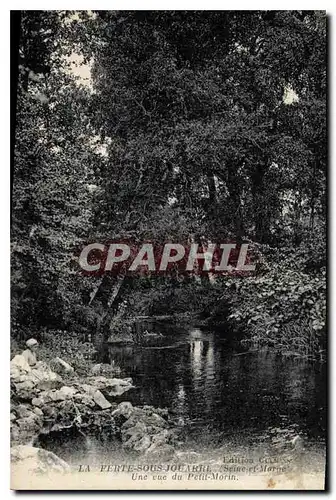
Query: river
218, 391
225, 400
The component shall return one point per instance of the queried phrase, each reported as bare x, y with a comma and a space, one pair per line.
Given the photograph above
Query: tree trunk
234, 190
212, 189
261, 212
104, 325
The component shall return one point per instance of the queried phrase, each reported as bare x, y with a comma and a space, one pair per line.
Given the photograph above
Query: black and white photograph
169, 213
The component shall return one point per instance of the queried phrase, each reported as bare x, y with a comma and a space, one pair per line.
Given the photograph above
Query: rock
96, 369
125, 409
66, 392
31, 423
52, 396
23, 411
12, 417
50, 411
28, 423
139, 430
160, 451
98, 382
38, 411
27, 381
144, 429
61, 367
136, 438
188, 456
17, 365
24, 390
121, 381
105, 369
101, 401
66, 408
143, 444
154, 423
51, 383
29, 459
86, 388
119, 390
14, 433
162, 437
93, 393
116, 386
28, 427
163, 412
137, 442
84, 399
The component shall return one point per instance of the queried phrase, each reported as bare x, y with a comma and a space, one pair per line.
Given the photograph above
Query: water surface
216, 390
226, 401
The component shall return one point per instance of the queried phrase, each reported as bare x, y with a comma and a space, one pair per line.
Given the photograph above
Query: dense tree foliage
194, 125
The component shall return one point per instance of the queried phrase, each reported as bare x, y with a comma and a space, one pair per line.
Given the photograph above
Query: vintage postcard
168, 250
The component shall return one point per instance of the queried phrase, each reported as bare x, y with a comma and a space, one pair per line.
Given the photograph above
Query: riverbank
60, 424
53, 399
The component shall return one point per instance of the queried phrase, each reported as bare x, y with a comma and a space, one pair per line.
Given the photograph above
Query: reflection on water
217, 390
226, 402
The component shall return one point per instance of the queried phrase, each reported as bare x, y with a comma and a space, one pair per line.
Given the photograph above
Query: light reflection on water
226, 402
216, 390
